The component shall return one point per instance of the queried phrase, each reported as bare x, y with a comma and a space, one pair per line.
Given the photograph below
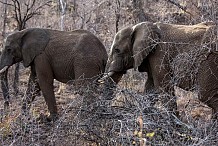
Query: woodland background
103, 18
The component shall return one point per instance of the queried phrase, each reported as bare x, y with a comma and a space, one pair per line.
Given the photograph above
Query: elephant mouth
4, 69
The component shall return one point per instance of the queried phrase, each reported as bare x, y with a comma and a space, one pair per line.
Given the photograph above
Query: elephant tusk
110, 74
4, 69
102, 80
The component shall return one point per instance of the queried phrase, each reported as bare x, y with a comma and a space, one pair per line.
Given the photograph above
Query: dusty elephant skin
154, 47
54, 54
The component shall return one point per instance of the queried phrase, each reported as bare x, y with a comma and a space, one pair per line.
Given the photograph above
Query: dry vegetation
131, 118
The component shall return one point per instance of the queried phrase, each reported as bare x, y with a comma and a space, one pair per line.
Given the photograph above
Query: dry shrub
131, 118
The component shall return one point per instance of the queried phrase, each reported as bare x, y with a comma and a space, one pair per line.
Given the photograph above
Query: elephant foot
6, 104
47, 119
52, 118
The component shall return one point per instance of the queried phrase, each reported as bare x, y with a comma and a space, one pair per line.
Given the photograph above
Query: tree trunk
63, 11
138, 11
117, 13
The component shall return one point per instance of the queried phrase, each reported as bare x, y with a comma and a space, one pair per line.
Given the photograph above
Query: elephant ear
144, 38
33, 42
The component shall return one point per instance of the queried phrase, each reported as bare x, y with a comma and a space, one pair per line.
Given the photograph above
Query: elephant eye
117, 50
9, 50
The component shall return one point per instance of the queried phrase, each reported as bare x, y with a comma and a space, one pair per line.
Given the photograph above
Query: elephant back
183, 33
79, 41
75, 45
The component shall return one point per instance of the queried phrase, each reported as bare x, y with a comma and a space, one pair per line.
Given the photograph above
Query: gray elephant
54, 54
155, 48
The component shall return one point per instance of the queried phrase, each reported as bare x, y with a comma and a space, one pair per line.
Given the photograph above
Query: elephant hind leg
86, 71
213, 103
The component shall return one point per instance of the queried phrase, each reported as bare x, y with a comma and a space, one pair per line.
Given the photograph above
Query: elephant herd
172, 55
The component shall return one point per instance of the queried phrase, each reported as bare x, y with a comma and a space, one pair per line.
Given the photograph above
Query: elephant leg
16, 78
33, 89
149, 84
161, 75
208, 83
5, 89
210, 98
45, 78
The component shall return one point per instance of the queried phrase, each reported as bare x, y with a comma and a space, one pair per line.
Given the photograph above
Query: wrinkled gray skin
54, 54
153, 47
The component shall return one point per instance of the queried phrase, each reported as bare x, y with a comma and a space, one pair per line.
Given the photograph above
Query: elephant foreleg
161, 75
45, 77
33, 89
16, 78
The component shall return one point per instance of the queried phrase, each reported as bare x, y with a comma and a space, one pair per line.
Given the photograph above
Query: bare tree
63, 5
23, 11
138, 11
4, 19
117, 13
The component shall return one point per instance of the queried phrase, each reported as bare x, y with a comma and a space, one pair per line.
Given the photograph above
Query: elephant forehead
11, 39
8, 39
124, 33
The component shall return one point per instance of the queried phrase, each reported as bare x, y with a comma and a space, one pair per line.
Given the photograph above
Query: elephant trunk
4, 64
5, 61
116, 65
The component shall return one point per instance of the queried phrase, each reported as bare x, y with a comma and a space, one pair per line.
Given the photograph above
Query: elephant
54, 54
156, 47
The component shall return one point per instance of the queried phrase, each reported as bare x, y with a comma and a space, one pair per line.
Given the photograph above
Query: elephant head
23, 46
130, 48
